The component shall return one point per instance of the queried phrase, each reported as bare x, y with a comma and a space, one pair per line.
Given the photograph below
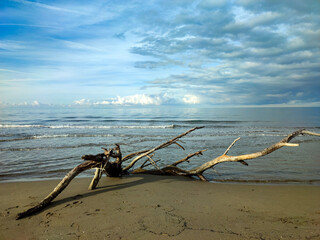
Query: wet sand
155, 207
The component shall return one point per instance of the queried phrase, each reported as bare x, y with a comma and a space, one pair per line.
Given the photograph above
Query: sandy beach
155, 207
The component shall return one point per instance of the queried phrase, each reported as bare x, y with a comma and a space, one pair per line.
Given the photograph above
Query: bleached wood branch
163, 145
188, 157
59, 188
309, 133
225, 153
153, 162
272, 148
99, 170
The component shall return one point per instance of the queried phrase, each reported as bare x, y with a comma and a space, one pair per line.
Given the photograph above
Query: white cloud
138, 99
102, 103
46, 6
35, 103
147, 99
191, 99
12, 45
80, 46
25, 103
82, 102
278, 95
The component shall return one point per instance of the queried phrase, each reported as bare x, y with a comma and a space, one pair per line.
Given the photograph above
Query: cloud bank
226, 52
245, 52
142, 100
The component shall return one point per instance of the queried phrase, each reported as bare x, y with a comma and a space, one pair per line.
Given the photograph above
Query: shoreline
276, 182
161, 207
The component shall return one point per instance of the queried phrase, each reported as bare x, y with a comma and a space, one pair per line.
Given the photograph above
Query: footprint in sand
75, 203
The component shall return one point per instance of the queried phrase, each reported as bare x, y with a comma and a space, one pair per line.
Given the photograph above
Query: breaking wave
83, 127
45, 136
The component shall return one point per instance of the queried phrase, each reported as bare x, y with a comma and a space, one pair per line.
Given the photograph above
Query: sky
168, 52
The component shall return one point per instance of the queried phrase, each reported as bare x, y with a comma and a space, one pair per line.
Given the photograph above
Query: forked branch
240, 158
163, 145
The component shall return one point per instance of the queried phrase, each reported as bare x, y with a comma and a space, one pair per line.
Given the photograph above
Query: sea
45, 142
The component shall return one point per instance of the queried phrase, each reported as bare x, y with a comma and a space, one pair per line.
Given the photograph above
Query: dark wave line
82, 126
143, 139
50, 148
33, 173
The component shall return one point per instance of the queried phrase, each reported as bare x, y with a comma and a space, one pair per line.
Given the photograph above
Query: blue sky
240, 52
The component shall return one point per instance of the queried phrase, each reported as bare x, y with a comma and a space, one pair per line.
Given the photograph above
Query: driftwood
114, 168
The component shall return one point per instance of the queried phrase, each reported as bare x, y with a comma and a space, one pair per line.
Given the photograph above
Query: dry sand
154, 207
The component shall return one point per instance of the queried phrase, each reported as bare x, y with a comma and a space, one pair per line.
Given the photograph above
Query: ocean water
46, 142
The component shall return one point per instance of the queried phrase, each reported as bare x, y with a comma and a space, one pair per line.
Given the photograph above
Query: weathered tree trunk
96, 178
114, 169
58, 189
